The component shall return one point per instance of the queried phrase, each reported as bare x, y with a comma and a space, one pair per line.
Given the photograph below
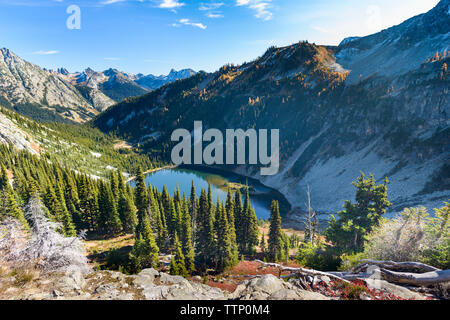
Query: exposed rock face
153, 285
104, 88
108, 285
269, 287
10, 133
393, 289
399, 49
77, 97
25, 84
161, 286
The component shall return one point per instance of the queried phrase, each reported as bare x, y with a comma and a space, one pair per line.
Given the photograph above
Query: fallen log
408, 266
302, 271
416, 279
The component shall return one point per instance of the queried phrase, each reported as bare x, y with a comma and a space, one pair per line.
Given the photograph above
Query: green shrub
349, 261
319, 257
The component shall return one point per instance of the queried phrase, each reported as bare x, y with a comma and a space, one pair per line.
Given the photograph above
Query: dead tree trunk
416, 279
415, 267
302, 271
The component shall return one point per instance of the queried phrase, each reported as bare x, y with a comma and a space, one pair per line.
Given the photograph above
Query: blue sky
153, 36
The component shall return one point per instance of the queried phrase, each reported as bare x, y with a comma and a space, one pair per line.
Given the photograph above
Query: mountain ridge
58, 95
334, 122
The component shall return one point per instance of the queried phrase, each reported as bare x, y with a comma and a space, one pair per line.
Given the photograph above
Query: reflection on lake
261, 196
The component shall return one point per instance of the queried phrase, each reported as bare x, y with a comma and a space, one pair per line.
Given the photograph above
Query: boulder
162, 286
396, 290
269, 287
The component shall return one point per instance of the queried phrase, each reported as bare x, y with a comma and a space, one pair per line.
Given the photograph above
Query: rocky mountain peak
63, 71
399, 49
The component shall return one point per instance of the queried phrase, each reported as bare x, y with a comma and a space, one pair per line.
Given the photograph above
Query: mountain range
49, 95
377, 104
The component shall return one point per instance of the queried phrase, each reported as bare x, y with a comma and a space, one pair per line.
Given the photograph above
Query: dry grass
97, 250
24, 276
97, 246
122, 145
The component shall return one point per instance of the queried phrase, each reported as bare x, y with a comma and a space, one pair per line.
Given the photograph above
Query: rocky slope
397, 50
103, 88
12, 134
36, 92
58, 95
393, 122
153, 285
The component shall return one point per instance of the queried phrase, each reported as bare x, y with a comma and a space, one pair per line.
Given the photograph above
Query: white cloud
170, 4
112, 59
210, 6
112, 1
188, 22
41, 52
213, 15
261, 7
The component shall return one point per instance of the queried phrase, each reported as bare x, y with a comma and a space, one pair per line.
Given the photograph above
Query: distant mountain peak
153, 82
398, 49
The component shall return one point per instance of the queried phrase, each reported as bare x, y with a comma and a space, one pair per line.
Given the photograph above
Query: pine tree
238, 210
186, 240
229, 209
12, 209
109, 216
145, 251
3, 177
66, 217
275, 248
357, 220
114, 185
262, 243
193, 209
127, 213
141, 197
224, 253
54, 201
248, 226
205, 245
177, 264
121, 181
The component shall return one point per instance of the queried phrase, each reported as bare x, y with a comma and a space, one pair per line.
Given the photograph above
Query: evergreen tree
238, 210
262, 243
275, 248
12, 209
109, 216
193, 209
249, 231
186, 240
114, 185
229, 209
205, 245
127, 213
141, 197
224, 253
177, 264
357, 220
145, 251
121, 181
3, 177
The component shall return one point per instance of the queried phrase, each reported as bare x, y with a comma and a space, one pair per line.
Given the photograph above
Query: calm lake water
260, 195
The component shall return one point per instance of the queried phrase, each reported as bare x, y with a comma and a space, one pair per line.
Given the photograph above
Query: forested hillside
329, 129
